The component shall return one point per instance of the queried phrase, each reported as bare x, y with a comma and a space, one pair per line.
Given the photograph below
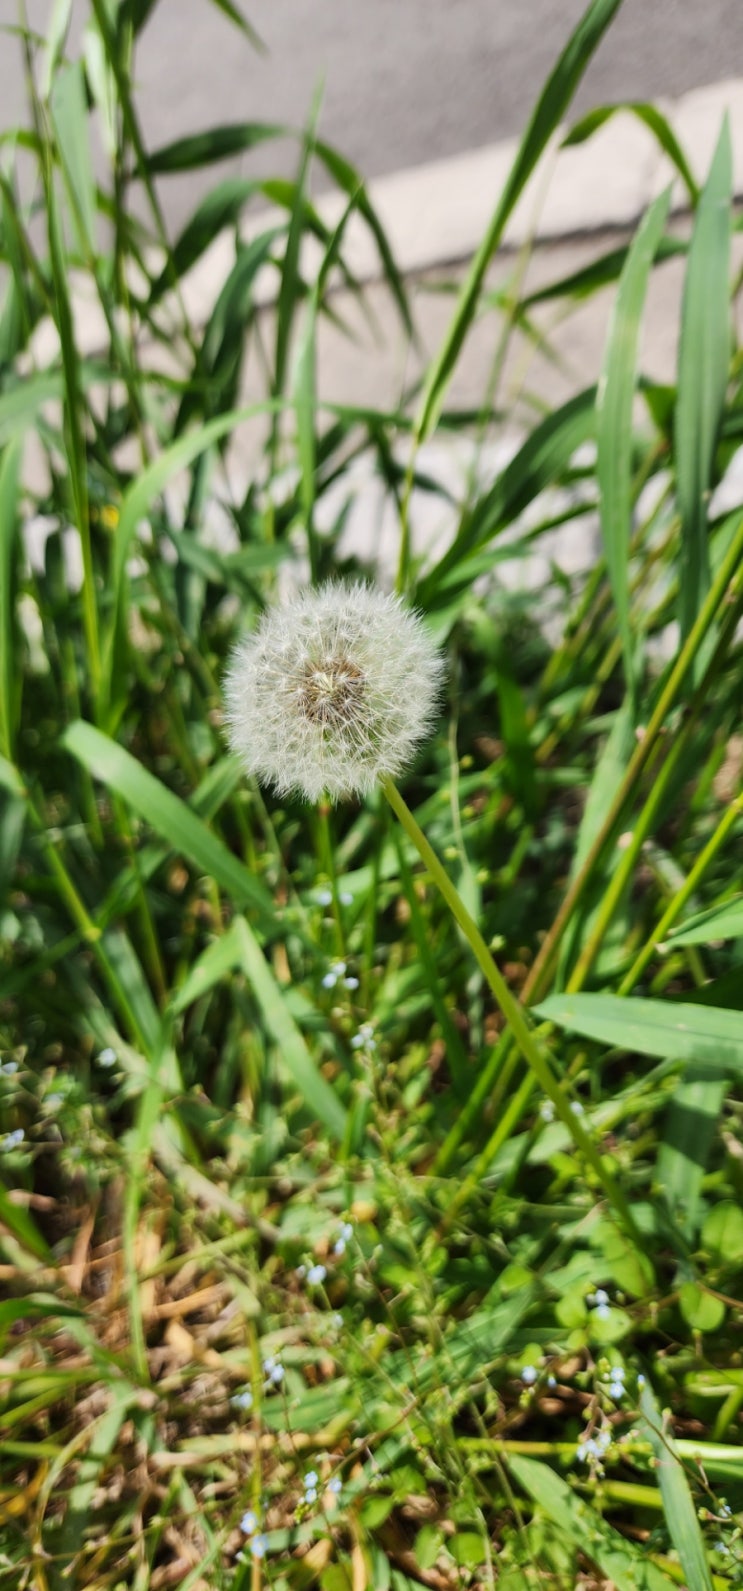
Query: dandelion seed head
332, 692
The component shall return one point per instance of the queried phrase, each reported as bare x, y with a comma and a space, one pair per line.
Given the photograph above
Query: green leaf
718, 922
293, 1051
700, 1309
548, 111
658, 126
626, 1565
543, 457
674, 1031
681, 1515
722, 1233
168, 815
69, 111
703, 373
215, 143
688, 1135
9, 674
614, 404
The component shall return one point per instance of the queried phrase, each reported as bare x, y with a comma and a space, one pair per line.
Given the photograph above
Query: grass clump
370, 1194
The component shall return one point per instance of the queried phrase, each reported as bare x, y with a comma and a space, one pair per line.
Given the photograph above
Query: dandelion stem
533, 1052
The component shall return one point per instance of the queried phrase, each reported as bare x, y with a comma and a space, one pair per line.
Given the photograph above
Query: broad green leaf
718, 922
722, 1233
674, 1031
657, 124
550, 107
700, 1309
703, 373
624, 1563
614, 404
678, 1504
294, 1055
167, 815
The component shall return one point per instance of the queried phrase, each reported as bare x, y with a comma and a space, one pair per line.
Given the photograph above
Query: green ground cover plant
370, 1174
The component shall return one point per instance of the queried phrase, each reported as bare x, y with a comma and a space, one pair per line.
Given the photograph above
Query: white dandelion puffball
333, 691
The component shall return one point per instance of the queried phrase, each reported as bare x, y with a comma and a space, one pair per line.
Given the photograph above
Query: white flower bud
333, 692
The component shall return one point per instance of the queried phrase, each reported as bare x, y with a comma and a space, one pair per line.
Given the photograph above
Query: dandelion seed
333, 692
316, 1275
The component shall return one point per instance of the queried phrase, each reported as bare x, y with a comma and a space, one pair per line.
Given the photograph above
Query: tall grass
305, 1280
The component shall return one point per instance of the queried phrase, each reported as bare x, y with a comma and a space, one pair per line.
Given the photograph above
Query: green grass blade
614, 403
626, 1565
550, 107
168, 816
215, 143
678, 1504
139, 498
544, 455
719, 922
688, 1134
69, 112
9, 468
293, 1051
600, 273
221, 208
703, 372
349, 179
672, 1030
657, 124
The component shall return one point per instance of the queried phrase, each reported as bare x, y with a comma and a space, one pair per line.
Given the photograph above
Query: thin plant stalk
510, 1009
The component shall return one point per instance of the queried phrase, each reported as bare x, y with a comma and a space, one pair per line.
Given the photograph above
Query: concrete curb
437, 214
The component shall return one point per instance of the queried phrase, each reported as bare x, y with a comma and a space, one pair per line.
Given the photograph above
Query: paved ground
405, 81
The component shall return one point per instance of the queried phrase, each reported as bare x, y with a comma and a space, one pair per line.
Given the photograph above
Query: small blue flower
13, 1139
9, 1068
310, 1495
249, 1522
273, 1371
364, 1039
258, 1546
324, 897
345, 899
350, 983
576, 1107
335, 1484
311, 1479
547, 1110
107, 1057
242, 1400
640, 1382
316, 1275
529, 1375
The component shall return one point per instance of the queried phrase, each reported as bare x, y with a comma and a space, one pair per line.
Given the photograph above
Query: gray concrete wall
405, 81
